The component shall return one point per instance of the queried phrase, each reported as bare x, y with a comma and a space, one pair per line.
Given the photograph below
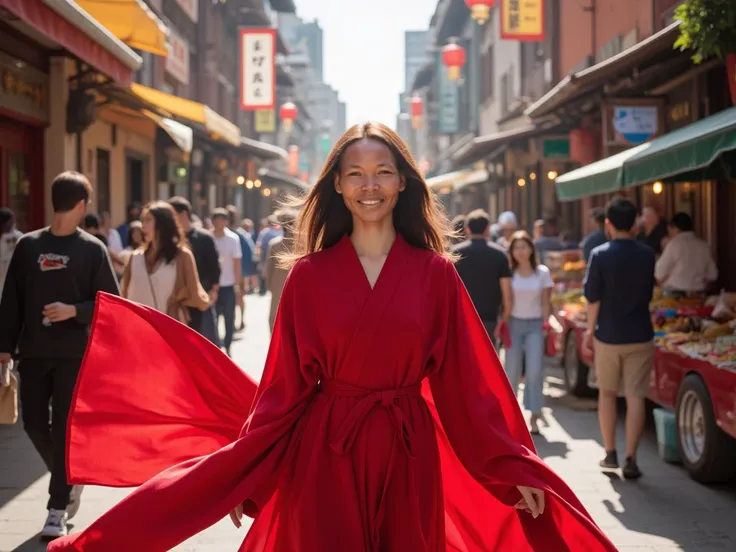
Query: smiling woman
383, 420
370, 174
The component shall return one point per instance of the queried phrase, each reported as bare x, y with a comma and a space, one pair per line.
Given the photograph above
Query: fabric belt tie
370, 399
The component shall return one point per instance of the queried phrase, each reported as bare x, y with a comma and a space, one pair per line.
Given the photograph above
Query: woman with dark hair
383, 420
162, 274
9, 236
531, 290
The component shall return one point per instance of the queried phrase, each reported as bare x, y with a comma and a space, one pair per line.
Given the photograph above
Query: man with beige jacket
276, 276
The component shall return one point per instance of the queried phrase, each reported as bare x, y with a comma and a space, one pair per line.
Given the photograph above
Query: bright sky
364, 50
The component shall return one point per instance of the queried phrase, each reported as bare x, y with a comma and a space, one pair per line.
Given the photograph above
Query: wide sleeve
473, 396
486, 451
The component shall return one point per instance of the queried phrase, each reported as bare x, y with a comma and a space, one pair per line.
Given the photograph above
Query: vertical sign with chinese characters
448, 94
258, 69
522, 20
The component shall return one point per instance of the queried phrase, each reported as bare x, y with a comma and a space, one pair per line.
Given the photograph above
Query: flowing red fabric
383, 422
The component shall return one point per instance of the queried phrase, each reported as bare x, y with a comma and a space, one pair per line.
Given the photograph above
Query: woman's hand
236, 515
532, 501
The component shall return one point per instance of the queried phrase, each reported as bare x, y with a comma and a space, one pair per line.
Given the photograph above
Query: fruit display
565, 266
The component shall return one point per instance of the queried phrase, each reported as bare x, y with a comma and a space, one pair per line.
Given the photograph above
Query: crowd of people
199, 271
163, 257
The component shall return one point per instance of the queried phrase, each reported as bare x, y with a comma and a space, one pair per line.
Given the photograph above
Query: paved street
663, 512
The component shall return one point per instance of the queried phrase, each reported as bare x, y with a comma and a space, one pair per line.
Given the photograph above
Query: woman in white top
531, 289
162, 274
9, 236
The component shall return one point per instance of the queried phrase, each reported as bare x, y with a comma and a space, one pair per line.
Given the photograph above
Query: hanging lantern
453, 57
288, 113
480, 10
417, 110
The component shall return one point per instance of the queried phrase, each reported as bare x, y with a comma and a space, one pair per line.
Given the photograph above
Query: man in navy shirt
618, 287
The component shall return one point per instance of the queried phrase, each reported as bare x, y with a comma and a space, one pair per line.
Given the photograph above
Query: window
487, 75
103, 181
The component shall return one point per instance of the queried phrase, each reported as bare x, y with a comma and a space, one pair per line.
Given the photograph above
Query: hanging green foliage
707, 27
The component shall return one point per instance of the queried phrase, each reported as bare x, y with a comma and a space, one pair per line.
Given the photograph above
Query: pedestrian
114, 242
163, 273
269, 232
484, 269
135, 240
46, 310
531, 290
508, 224
618, 287
250, 267
341, 450
207, 259
686, 266
246, 252
9, 236
230, 252
279, 247
546, 238
596, 237
132, 213
91, 225
458, 228
653, 229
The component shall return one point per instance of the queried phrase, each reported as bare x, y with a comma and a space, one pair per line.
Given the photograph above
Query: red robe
383, 422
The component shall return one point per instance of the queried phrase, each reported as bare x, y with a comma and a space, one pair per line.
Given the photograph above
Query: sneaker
610, 462
75, 499
631, 469
55, 525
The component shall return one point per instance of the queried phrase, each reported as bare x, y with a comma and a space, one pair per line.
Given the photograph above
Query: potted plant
708, 29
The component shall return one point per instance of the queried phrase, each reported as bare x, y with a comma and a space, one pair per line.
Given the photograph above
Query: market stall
694, 372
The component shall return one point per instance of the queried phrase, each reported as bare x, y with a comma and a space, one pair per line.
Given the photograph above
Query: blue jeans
527, 336
226, 308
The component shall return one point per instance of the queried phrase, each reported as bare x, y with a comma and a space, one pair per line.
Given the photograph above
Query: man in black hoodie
45, 315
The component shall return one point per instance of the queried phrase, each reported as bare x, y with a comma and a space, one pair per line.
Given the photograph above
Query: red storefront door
21, 172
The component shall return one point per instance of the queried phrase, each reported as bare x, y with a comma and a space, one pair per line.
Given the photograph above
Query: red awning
45, 20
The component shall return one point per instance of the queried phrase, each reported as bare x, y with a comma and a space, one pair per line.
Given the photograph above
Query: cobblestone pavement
663, 512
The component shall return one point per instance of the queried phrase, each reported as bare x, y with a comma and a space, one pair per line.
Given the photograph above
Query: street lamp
453, 57
480, 10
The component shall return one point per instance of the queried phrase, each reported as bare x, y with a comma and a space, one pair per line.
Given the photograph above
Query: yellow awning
131, 21
454, 181
217, 125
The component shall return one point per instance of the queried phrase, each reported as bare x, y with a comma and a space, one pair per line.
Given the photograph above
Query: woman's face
149, 226
369, 181
521, 251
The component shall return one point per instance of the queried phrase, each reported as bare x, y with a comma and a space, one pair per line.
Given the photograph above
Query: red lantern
417, 109
453, 57
288, 113
480, 10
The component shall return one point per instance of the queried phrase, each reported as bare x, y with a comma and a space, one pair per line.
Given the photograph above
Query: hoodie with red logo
45, 269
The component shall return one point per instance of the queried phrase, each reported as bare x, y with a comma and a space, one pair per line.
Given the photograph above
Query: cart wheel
575, 371
708, 454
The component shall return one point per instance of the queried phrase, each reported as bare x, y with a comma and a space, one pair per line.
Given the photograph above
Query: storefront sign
448, 112
265, 121
635, 125
555, 148
191, 8
522, 20
23, 89
177, 62
258, 69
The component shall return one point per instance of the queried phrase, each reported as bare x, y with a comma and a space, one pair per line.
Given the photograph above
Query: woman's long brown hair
518, 236
169, 233
324, 219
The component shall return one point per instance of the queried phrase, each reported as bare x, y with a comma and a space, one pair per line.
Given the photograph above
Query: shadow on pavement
34, 544
20, 464
664, 503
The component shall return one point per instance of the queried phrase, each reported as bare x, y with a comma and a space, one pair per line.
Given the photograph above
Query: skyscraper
415, 54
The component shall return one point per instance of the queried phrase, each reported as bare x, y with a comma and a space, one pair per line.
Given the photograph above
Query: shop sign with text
258, 69
522, 20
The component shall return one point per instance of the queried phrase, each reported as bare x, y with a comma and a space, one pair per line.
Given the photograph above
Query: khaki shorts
630, 365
